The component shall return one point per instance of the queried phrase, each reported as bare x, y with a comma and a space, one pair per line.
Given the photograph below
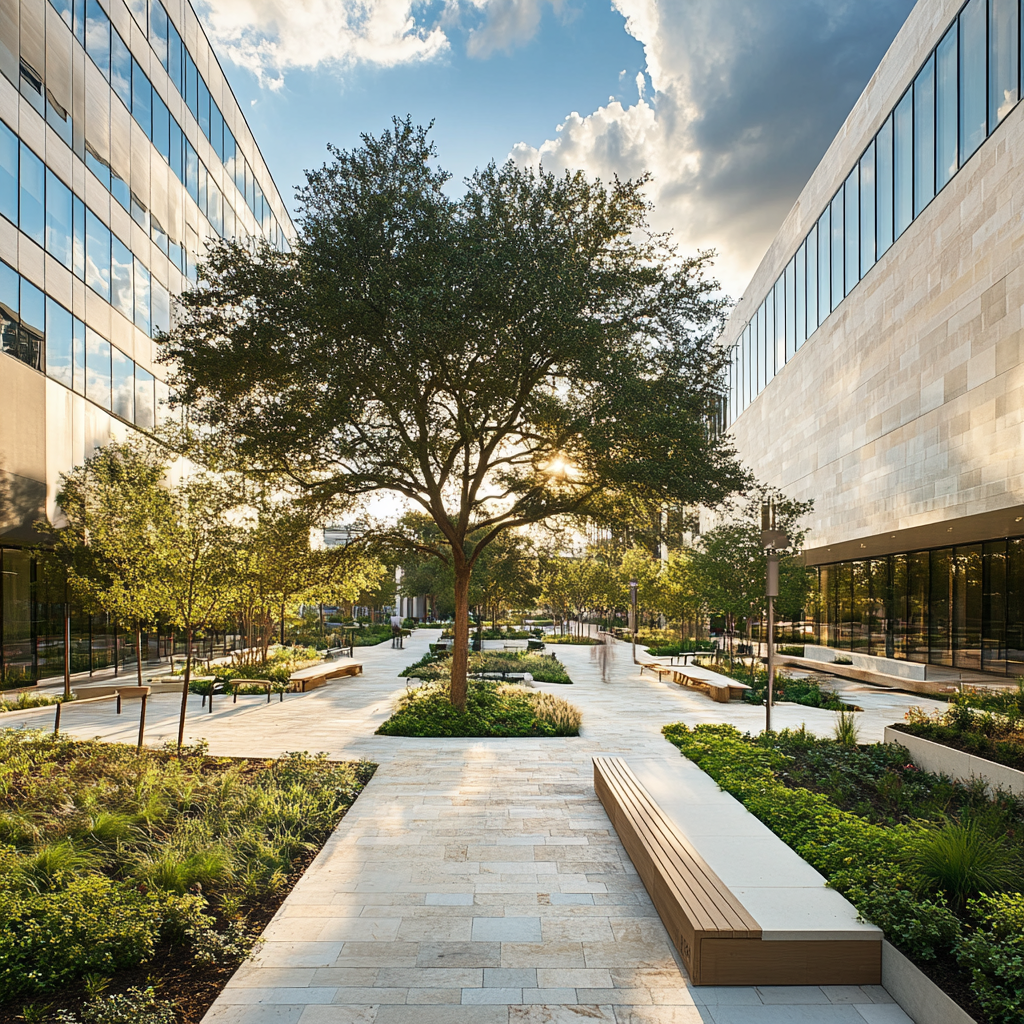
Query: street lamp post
772, 540
633, 585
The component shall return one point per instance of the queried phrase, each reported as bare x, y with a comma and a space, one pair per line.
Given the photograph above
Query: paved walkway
479, 881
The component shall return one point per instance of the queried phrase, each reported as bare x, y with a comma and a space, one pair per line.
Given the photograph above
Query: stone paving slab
480, 881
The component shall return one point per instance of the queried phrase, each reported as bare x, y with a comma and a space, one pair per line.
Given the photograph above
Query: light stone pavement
479, 881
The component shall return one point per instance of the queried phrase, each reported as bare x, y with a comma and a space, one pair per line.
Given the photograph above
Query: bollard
142, 720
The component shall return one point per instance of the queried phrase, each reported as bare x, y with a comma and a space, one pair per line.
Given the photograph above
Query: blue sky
736, 100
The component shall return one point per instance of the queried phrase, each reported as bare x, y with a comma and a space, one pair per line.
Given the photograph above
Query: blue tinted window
63, 8
142, 100
763, 348
122, 294
924, 136
58, 219
229, 152
160, 308
158, 31
812, 280
191, 171
903, 165
145, 399
120, 191
177, 150
800, 268
851, 229
31, 218
122, 384
59, 344
161, 127
203, 191
140, 213
867, 210
973, 83
215, 207
97, 254
791, 317
78, 355
8, 173
120, 69
883, 192
97, 37
97, 369
824, 265
838, 248
10, 300
1003, 40
204, 108
33, 325
191, 85
79, 6
946, 109
175, 59
78, 237
142, 297
217, 131
779, 340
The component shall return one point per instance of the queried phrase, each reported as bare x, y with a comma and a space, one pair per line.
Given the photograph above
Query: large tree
517, 352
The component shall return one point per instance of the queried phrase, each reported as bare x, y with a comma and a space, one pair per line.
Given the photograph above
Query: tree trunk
460, 647
138, 651
184, 689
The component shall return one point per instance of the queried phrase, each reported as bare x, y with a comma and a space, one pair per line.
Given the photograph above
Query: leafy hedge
492, 709
880, 865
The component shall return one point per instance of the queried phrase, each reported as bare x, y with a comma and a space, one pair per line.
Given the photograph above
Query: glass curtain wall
958, 606
961, 94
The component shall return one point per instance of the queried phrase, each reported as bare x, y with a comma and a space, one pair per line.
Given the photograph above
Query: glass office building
122, 150
877, 365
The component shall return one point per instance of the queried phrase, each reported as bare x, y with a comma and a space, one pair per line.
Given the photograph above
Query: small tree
113, 506
640, 565
518, 353
682, 592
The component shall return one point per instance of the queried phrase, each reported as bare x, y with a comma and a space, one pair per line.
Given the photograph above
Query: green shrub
491, 710
94, 924
136, 1006
994, 955
923, 928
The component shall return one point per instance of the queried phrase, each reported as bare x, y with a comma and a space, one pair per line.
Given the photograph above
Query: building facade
878, 358
122, 150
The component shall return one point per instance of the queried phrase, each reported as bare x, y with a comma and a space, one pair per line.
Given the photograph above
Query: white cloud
744, 97
506, 24
271, 36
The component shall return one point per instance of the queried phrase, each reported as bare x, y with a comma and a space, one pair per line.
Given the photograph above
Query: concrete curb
943, 760
919, 997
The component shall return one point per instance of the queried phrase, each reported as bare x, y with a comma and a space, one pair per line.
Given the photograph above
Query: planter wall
942, 760
919, 997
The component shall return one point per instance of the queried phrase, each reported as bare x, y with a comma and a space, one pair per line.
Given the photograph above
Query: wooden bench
720, 941
265, 684
317, 675
657, 667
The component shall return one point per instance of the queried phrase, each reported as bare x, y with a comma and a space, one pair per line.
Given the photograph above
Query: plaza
480, 880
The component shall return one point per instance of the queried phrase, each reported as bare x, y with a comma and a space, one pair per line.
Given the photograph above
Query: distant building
878, 353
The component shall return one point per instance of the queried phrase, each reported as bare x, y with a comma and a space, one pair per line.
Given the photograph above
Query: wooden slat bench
317, 675
719, 939
720, 688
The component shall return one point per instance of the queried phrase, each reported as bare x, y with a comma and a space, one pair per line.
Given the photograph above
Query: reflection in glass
946, 103
883, 191
898, 608
812, 280
78, 355
790, 307
97, 369
1015, 606
31, 218
903, 164
851, 230
1003, 40
58, 219
966, 609
940, 607
8, 173
838, 250
121, 69
824, 265
973, 84
145, 401
867, 210
993, 612
917, 606
924, 136
97, 255
142, 316
97, 37
122, 384
59, 354
800, 270
33, 325
122, 296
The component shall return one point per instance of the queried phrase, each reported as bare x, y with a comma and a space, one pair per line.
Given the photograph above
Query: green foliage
49, 939
970, 724
108, 849
491, 710
994, 954
543, 668
31, 700
846, 729
807, 692
136, 1006
879, 856
964, 859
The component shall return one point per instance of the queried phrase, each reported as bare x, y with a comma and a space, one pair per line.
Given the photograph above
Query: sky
729, 104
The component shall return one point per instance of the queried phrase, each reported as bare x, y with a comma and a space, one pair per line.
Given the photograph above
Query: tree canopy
528, 349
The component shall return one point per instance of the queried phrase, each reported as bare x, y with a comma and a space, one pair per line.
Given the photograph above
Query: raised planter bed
919, 997
957, 764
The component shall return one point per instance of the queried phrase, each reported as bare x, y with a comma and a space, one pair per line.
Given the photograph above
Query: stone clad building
122, 149
878, 356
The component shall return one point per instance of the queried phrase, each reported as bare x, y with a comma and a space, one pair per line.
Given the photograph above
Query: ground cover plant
667, 649
543, 668
578, 641
787, 688
492, 709
120, 866
28, 699
970, 724
936, 864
